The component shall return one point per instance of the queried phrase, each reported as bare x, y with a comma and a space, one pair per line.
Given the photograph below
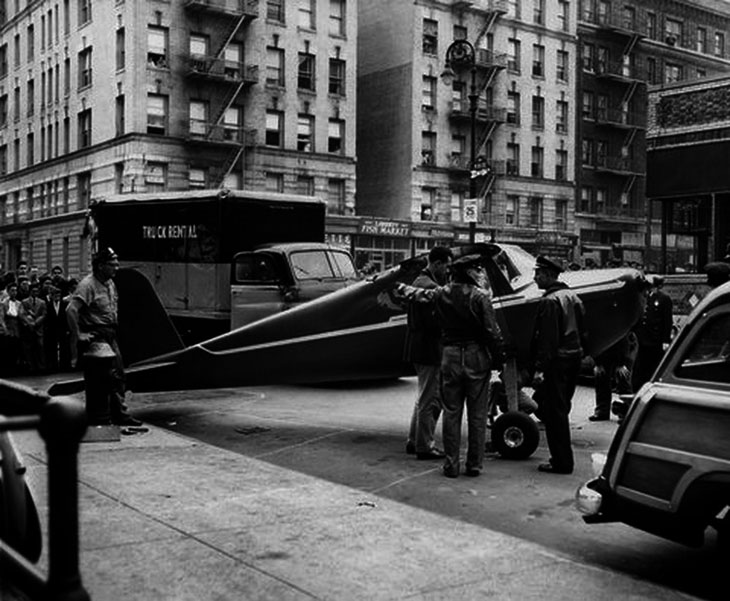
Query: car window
708, 356
255, 269
308, 265
343, 264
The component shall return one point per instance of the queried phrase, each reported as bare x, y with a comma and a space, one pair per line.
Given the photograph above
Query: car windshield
708, 357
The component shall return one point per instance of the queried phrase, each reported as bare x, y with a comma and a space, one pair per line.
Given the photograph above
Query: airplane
351, 334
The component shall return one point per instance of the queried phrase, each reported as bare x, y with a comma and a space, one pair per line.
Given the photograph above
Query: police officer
92, 316
556, 351
654, 332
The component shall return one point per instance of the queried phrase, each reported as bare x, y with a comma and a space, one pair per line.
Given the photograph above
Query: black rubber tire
515, 435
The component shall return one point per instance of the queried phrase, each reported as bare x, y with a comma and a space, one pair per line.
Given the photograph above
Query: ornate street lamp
461, 55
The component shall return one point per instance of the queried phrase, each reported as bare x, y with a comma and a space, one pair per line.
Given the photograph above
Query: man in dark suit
56, 338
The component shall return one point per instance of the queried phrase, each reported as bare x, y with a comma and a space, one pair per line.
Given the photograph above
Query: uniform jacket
559, 327
423, 334
655, 325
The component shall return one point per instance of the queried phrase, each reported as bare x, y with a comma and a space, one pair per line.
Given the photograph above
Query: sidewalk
164, 517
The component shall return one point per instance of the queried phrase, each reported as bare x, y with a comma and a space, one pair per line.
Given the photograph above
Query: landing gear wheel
515, 435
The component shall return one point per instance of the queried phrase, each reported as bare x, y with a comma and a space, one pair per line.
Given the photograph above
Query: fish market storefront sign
380, 227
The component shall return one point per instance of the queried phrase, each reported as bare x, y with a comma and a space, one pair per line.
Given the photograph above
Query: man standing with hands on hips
556, 352
92, 317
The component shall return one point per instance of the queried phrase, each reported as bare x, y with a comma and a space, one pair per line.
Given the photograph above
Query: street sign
471, 210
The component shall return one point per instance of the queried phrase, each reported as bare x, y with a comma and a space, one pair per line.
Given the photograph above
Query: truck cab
668, 467
276, 277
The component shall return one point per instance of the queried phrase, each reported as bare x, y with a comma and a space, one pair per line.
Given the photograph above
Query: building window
428, 148
155, 176
672, 73
275, 10
428, 201
30, 96
83, 189
561, 69
561, 165
3, 160
587, 151
588, 105
198, 117
512, 210
275, 66
457, 201
232, 120
719, 44
514, 58
561, 214
199, 45
337, 18
274, 128
588, 57
233, 61
460, 32
274, 182
31, 43
651, 28
336, 196
305, 133
536, 166
538, 60
513, 107
84, 129
513, 158
3, 110
430, 36
701, 73
157, 41
536, 211
604, 12
601, 153
564, 15
3, 60
672, 32
197, 178
561, 116
119, 115
306, 14
157, 113
66, 76
651, 70
84, 11
66, 135
538, 112
428, 101
601, 195
305, 185
701, 40
305, 78
458, 150
120, 49
336, 136
85, 67
538, 12
16, 52
337, 77
16, 154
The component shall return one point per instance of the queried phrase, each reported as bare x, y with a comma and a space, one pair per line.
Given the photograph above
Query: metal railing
61, 422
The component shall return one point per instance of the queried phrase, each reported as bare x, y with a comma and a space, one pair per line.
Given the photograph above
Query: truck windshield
342, 264
311, 264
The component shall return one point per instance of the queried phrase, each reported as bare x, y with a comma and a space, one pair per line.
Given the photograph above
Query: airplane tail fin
146, 329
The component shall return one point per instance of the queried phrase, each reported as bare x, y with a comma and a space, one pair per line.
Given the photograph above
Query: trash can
98, 362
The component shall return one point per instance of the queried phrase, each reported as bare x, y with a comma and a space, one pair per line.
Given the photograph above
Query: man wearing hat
556, 351
471, 342
653, 331
92, 317
718, 272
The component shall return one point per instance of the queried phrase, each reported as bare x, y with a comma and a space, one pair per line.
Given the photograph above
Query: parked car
667, 470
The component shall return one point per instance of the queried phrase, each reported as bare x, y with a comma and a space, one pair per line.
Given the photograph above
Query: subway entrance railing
61, 422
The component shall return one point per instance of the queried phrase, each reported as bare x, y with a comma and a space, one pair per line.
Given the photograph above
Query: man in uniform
423, 351
556, 351
654, 332
92, 317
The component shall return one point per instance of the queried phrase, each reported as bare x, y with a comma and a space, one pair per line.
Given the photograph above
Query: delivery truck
223, 258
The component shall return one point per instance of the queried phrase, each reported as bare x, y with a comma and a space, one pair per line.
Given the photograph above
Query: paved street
355, 435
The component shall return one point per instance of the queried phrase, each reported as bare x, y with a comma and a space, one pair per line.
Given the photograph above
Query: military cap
105, 254
467, 262
543, 262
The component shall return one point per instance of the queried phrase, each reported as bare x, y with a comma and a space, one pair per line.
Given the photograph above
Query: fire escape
625, 76
489, 117
227, 74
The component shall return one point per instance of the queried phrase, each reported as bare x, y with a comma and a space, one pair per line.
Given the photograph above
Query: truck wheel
515, 435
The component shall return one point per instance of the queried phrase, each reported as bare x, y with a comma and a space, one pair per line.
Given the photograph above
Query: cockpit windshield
516, 264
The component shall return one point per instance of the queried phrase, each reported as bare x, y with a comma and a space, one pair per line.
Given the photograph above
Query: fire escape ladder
629, 140
226, 105
629, 94
229, 37
631, 44
627, 190
229, 163
486, 133
487, 184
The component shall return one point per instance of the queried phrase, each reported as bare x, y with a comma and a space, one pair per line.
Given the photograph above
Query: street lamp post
461, 54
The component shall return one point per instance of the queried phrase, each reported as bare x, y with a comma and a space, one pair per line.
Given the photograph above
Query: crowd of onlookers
34, 333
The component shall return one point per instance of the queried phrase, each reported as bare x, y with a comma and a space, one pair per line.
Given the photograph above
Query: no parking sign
470, 210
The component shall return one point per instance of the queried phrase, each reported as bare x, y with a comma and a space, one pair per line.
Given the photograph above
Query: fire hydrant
98, 361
